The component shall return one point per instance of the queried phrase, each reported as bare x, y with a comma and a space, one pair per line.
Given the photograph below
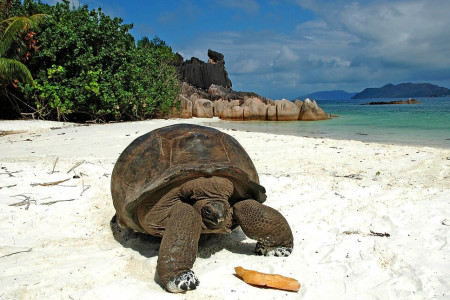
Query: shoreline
334, 194
21, 126
239, 126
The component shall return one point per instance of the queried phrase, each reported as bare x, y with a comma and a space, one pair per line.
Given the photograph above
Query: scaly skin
184, 224
265, 225
178, 249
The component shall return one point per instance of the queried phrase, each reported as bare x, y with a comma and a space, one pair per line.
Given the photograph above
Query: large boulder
299, 103
186, 107
254, 110
215, 57
219, 91
310, 111
184, 110
202, 108
287, 110
234, 113
271, 112
221, 105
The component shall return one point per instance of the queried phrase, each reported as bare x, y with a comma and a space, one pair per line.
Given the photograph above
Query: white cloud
349, 45
286, 58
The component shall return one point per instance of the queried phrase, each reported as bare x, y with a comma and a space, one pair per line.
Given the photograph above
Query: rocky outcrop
310, 111
185, 107
250, 109
234, 113
287, 110
202, 108
206, 92
201, 74
254, 110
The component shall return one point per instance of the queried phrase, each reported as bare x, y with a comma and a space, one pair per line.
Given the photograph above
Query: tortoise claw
273, 251
183, 282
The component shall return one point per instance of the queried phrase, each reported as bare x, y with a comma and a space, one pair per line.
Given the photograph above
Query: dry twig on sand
9, 132
372, 233
351, 176
54, 165
8, 186
27, 201
56, 201
84, 188
29, 250
10, 174
50, 183
76, 166
385, 234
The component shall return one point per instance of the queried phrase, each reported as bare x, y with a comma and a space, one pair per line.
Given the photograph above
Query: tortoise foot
272, 251
183, 282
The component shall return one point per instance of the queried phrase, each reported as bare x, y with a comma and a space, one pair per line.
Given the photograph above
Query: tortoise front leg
265, 225
178, 249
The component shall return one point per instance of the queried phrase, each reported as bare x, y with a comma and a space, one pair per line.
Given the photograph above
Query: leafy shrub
89, 67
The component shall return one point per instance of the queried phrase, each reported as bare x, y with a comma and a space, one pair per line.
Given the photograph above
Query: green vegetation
87, 66
15, 47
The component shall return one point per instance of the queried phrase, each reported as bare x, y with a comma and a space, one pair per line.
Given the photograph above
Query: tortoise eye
207, 211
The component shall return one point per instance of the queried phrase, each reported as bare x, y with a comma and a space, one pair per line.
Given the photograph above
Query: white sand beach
370, 221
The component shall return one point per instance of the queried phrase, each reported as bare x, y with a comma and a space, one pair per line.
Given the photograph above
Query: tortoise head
214, 214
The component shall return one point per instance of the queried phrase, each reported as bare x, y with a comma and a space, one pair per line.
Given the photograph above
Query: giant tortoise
180, 181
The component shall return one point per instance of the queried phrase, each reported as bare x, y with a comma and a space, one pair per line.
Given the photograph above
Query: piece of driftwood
268, 280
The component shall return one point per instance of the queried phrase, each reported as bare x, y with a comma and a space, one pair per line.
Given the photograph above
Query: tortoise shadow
208, 244
147, 245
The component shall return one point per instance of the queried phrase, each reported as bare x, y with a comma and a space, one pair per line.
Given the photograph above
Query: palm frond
11, 70
13, 28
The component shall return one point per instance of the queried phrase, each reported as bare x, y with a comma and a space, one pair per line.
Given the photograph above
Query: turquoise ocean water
423, 124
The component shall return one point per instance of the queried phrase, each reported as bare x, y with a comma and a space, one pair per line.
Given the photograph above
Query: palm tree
12, 48
12, 31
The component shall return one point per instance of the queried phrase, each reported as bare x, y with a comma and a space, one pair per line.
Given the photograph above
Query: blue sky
288, 48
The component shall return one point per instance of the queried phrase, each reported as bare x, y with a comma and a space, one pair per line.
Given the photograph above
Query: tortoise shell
162, 159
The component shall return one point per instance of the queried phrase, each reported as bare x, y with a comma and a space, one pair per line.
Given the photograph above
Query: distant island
409, 101
403, 90
328, 95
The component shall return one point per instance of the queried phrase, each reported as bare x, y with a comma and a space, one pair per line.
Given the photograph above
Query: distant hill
403, 90
328, 95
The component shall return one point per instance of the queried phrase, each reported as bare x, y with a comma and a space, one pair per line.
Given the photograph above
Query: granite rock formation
201, 74
206, 92
310, 111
